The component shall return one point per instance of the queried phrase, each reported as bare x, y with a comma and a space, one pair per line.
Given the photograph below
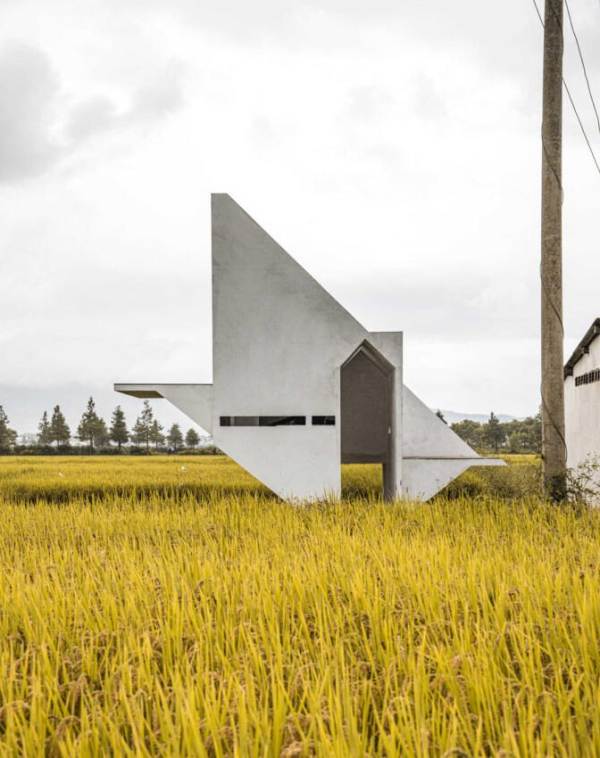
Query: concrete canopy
294, 374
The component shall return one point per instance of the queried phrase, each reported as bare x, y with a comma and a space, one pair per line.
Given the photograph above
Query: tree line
524, 436
517, 436
54, 431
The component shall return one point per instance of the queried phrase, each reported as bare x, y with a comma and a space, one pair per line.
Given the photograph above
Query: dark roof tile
583, 347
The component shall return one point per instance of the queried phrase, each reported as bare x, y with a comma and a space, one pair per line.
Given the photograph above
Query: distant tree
481, 441
441, 416
118, 427
102, 435
59, 429
525, 435
156, 436
494, 433
92, 428
467, 430
8, 436
140, 434
515, 444
192, 438
44, 437
147, 414
534, 432
175, 437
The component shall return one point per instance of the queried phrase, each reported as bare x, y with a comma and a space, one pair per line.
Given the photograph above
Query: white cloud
429, 103
40, 126
93, 116
29, 93
149, 104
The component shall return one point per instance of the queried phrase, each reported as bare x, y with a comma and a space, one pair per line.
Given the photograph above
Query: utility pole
554, 463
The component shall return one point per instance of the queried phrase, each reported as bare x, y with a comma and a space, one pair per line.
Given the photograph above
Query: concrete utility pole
553, 402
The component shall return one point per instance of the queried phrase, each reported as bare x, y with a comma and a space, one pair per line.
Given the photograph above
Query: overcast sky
392, 147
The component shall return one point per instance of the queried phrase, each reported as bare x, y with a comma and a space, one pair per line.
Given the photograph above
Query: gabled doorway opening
366, 406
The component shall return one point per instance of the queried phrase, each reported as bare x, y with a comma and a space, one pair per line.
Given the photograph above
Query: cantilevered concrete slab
299, 385
195, 400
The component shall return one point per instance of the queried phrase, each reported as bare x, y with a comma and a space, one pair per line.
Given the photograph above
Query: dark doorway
366, 410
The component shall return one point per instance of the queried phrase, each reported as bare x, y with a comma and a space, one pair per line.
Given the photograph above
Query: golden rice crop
65, 478
137, 619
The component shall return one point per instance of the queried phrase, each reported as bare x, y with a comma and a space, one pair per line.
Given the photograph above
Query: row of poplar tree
94, 431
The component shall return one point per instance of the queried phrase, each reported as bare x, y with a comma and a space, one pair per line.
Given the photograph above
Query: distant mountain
452, 417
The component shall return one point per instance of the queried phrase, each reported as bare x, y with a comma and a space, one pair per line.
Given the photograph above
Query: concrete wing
432, 454
195, 400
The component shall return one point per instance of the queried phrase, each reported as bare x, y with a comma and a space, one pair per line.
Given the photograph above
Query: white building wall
582, 410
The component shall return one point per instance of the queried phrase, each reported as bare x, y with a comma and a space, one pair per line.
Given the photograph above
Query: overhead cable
568, 91
585, 73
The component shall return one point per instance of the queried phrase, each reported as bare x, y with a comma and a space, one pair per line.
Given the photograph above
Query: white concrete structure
299, 386
582, 399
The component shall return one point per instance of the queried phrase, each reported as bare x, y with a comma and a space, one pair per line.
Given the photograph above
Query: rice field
148, 610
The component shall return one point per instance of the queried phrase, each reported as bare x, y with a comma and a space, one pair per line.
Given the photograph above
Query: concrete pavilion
300, 386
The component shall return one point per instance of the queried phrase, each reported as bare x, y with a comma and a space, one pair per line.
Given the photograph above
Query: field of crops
172, 607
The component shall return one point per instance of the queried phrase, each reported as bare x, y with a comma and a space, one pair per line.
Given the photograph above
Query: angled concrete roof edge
582, 347
224, 196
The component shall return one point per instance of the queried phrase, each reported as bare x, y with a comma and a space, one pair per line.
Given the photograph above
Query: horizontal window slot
589, 378
263, 420
323, 420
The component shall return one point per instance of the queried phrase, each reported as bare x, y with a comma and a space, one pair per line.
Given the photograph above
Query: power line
582, 127
585, 73
568, 91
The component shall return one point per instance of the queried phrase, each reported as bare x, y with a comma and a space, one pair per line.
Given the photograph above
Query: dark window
239, 420
282, 421
323, 420
263, 420
591, 376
